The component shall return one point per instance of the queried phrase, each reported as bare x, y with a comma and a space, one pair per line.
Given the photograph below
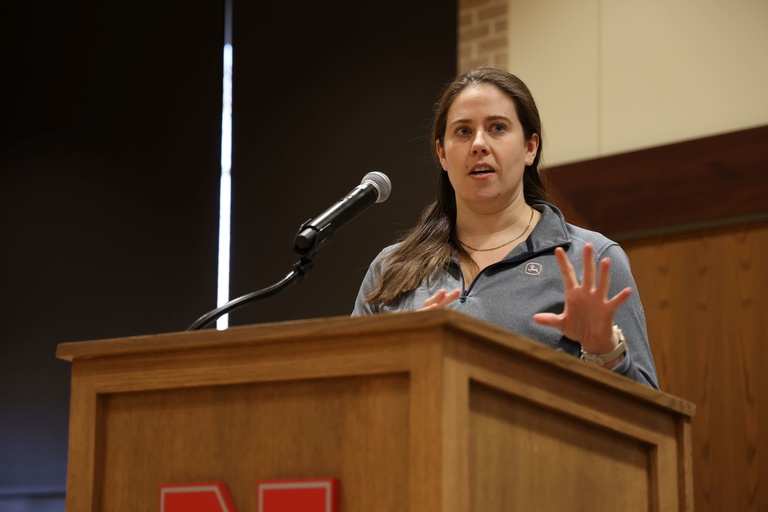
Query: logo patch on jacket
533, 268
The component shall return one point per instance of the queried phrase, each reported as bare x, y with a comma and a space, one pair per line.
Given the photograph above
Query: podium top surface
355, 328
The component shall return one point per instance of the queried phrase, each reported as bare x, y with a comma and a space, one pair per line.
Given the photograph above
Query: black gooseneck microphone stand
313, 235
300, 269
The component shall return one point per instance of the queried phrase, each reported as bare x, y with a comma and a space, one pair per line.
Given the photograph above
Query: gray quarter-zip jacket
528, 281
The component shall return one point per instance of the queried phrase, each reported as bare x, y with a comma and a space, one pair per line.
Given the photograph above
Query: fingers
587, 304
549, 320
620, 298
441, 299
588, 272
592, 278
604, 279
435, 299
448, 298
570, 280
604, 286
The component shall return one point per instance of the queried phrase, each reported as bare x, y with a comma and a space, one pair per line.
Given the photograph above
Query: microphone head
380, 181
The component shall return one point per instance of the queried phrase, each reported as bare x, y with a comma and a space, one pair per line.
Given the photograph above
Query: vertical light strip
225, 191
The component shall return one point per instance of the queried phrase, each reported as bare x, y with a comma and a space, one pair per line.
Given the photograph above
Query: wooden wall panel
714, 181
693, 218
707, 312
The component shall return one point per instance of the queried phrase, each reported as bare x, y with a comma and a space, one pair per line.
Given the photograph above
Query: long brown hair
432, 244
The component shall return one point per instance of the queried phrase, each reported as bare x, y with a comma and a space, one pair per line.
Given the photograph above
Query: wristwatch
603, 359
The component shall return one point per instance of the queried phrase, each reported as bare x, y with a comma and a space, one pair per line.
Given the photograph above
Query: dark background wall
311, 120
109, 167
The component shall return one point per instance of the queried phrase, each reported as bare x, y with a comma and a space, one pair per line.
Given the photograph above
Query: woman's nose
479, 144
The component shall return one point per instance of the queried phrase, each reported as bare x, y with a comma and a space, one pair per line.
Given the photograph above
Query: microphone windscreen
381, 182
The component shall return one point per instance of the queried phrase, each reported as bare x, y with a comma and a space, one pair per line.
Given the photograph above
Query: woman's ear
532, 148
440, 153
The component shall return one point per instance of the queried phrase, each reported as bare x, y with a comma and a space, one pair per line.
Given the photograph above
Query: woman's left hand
588, 314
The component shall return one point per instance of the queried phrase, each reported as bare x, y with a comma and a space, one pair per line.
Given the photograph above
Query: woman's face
485, 151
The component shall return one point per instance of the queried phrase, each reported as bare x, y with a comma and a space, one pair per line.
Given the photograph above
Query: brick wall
482, 34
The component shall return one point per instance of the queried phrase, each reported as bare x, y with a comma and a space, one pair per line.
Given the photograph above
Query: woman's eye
462, 130
498, 127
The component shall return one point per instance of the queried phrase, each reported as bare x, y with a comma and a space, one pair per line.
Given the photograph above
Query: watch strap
603, 359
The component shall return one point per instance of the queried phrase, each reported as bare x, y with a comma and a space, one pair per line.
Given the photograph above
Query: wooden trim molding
688, 186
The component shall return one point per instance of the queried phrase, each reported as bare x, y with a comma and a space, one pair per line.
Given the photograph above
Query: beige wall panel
553, 49
681, 69
612, 76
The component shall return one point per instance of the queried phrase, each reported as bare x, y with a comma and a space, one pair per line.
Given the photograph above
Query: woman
494, 247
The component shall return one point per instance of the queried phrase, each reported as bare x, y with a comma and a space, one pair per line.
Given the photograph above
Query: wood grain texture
271, 347
692, 218
705, 301
682, 187
556, 458
383, 403
342, 428
521, 402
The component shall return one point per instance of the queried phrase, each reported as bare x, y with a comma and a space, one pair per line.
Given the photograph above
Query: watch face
595, 359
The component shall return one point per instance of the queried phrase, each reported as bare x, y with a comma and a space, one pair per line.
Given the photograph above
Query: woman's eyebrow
497, 117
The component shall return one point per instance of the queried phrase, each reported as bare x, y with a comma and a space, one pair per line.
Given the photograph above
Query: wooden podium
424, 411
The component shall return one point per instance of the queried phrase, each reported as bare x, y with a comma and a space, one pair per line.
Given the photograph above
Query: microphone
315, 233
